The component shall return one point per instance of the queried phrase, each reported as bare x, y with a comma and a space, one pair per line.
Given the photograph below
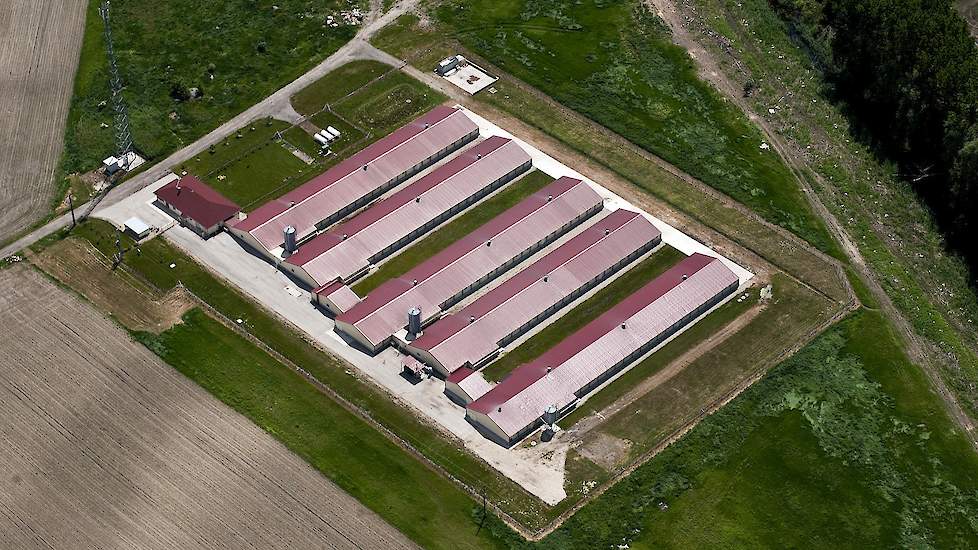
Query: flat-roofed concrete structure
350, 248
584, 360
356, 181
475, 333
468, 264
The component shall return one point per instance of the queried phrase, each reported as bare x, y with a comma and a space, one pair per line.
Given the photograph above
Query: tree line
906, 72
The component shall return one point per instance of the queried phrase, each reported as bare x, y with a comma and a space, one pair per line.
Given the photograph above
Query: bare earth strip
39, 44
104, 446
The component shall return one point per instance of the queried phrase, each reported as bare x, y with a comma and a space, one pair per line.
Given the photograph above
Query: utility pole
71, 205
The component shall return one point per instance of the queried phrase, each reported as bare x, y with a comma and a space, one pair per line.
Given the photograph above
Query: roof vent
479, 156
291, 204
550, 198
488, 243
546, 278
426, 125
414, 282
364, 167
472, 318
417, 200
623, 326
500, 409
685, 276
345, 236
549, 368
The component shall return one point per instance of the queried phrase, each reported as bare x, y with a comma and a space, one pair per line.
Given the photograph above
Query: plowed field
104, 446
39, 45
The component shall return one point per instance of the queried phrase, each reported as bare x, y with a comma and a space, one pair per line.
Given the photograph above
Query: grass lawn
336, 85
234, 52
668, 353
250, 164
336, 442
388, 103
302, 141
454, 230
619, 289
613, 62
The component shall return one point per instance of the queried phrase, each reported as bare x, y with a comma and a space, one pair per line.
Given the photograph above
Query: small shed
137, 228
111, 165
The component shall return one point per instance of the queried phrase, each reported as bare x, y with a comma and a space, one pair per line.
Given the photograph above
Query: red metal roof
584, 356
347, 248
342, 185
198, 201
382, 312
475, 331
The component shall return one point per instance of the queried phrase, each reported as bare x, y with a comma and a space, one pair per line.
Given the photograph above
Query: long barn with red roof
471, 262
580, 363
356, 181
475, 333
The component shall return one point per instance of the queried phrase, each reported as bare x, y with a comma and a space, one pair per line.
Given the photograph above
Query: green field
452, 231
250, 164
336, 85
626, 284
612, 60
235, 53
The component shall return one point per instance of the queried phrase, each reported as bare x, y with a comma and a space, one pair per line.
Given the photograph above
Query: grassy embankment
613, 61
894, 231
449, 233
635, 278
425, 45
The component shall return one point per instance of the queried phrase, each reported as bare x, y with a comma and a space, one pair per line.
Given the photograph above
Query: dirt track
39, 44
104, 446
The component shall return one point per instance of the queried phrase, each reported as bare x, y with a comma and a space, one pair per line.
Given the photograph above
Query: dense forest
906, 72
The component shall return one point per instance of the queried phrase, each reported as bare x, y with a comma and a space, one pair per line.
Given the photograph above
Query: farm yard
595, 305
38, 63
255, 164
105, 445
795, 310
